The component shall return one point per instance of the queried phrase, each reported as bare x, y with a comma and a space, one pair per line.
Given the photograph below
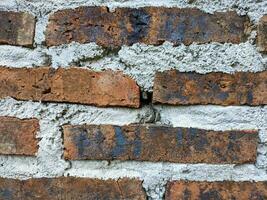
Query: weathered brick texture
159, 143
71, 189
241, 88
149, 25
72, 85
18, 136
225, 190
262, 34
17, 28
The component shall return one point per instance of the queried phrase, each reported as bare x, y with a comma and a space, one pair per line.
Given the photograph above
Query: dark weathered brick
149, 25
70, 188
262, 34
17, 28
73, 85
241, 88
159, 143
18, 136
226, 190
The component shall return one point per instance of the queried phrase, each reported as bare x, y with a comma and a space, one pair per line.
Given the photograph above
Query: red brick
17, 28
262, 34
158, 143
74, 85
226, 190
241, 88
70, 188
18, 136
149, 25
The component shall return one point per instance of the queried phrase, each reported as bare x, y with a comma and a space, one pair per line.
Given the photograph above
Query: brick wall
133, 99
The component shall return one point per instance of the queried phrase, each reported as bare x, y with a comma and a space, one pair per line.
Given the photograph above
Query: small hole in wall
146, 98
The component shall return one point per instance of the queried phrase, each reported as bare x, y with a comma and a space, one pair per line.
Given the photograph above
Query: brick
262, 34
17, 28
241, 88
74, 85
186, 190
18, 136
69, 188
149, 25
158, 143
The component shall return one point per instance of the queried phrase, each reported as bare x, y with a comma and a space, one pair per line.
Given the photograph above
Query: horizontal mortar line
45, 53
137, 171
116, 164
76, 43
115, 111
158, 123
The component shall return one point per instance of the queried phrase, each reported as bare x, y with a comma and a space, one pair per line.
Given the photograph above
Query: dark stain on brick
250, 97
220, 154
257, 195
210, 195
159, 143
221, 190
179, 137
81, 141
193, 133
149, 25
222, 96
6, 193
201, 143
137, 143
120, 143
187, 194
139, 19
178, 88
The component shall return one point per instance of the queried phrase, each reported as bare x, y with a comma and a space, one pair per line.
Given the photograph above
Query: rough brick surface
241, 88
17, 28
70, 189
149, 25
158, 143
262, 34
225, 190
69, 85
18, 136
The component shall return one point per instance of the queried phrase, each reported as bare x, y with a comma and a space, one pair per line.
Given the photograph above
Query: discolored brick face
262, 34
72, 85
17, 28
149, 25
69, 188
18, 136
224, 190
159, 143
242, 88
